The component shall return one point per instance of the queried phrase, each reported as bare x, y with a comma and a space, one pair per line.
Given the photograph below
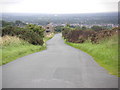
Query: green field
105, 53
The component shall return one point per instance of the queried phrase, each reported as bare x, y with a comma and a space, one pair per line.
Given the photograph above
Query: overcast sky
59, 6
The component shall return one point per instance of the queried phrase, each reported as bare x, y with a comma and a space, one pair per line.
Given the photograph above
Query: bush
80, 36
32, 33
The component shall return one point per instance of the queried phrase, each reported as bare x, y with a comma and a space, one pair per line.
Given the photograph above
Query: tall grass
105, 53
13, 48
48, 36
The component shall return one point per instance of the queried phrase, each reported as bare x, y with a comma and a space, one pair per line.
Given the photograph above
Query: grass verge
13, 48
105, 53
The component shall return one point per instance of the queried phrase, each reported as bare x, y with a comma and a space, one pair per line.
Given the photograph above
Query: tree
5, 23
84, 28
67, 25
96, 28
37, 29
78, 28
19, 23
58, 28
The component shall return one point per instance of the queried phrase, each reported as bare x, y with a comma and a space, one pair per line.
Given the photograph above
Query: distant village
80, 25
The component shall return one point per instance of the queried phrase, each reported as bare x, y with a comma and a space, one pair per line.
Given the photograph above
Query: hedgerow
34, 34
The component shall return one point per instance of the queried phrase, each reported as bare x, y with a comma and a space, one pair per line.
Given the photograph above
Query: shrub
32, 33
80, 36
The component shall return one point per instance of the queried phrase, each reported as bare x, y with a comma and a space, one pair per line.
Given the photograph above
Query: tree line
71, 27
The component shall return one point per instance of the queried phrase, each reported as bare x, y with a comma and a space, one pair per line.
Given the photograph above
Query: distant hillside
43, 19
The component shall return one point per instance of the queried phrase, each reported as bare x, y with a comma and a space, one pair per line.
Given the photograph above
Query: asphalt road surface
0, 77
60, 66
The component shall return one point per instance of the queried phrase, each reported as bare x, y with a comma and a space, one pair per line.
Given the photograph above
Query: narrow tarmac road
60, 66
0, 77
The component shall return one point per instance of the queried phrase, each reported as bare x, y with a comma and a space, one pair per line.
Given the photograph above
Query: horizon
56, 13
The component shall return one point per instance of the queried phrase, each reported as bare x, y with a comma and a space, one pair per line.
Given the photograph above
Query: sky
58, 6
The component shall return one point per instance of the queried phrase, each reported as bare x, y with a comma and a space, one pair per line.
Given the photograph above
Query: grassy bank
105, 53
13, 48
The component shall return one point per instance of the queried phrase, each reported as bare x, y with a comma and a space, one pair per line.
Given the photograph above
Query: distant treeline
16, 23
71, 27
34, 34
43, 19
